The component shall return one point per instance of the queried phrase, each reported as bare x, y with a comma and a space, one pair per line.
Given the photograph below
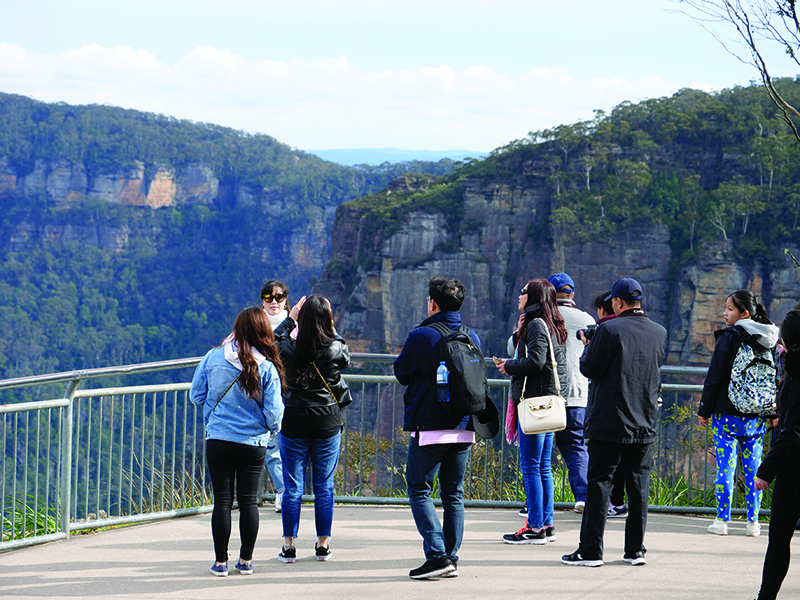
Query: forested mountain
695, 195
127, 236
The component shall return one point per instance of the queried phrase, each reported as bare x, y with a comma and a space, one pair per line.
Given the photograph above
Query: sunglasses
523, 291
276, 297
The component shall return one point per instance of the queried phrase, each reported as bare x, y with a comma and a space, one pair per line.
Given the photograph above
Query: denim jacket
236, 418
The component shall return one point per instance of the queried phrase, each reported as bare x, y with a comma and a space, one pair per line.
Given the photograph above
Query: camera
587, 333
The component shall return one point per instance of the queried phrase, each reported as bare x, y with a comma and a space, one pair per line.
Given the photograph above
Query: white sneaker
753, 529
579, 506
718, 527
278, 501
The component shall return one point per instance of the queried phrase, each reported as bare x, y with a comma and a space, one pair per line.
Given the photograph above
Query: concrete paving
373, 550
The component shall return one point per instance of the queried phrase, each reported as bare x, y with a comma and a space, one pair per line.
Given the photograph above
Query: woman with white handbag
540, 354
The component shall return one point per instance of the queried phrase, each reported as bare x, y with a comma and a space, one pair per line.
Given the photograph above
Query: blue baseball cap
627, 289
561, 281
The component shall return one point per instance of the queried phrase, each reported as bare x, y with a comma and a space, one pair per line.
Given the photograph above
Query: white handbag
543, 414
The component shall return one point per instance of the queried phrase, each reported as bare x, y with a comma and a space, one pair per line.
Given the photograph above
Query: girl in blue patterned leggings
747, 323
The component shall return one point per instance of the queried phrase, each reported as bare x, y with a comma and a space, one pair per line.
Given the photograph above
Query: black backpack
467, 381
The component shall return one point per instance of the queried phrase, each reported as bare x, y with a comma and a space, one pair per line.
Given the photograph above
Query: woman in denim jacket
239, 385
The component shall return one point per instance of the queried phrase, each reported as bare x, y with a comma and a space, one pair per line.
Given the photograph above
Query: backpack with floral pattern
752, 388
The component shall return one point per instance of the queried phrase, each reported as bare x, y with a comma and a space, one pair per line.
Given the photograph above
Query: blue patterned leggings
731, 432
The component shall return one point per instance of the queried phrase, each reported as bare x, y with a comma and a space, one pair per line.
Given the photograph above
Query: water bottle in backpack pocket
442, 386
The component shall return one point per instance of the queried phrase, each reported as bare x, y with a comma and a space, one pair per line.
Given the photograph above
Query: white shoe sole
435, 573
584, 563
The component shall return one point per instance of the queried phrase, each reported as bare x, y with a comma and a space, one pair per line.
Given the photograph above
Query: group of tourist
275, 384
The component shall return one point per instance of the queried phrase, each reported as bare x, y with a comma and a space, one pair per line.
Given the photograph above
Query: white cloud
326, 103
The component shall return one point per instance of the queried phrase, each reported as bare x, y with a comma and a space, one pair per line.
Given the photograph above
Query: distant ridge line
378, 156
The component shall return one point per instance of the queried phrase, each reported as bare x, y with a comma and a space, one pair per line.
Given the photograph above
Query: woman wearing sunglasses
531, 370
274, 300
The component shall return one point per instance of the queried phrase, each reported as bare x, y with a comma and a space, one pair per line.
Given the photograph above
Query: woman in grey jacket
312, 424
532, 368
238, 384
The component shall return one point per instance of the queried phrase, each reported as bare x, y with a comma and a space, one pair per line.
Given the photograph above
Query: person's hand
773, 423
501, 366
295, 312
583, 338
703, 421
761, 484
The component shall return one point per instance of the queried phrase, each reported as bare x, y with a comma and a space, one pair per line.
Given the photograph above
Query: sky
319, 74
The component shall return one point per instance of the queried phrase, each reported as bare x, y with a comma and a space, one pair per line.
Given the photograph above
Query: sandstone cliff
379, 285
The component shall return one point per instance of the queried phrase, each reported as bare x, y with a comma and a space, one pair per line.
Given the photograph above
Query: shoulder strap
326, 384
552, 361
226, 391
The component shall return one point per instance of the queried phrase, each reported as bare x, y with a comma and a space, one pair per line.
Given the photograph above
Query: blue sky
432, 75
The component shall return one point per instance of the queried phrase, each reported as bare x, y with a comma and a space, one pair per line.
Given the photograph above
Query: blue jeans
572, 445
449, 461
534, 457
296, 454
274, 465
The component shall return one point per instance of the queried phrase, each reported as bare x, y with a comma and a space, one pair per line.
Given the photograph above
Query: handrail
182, 363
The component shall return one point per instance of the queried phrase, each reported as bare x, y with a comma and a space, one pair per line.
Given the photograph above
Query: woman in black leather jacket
312, 420
532, 368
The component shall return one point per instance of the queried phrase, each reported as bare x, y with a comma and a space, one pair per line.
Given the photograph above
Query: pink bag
512, 433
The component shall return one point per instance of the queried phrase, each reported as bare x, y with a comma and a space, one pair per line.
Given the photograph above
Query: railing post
66, 457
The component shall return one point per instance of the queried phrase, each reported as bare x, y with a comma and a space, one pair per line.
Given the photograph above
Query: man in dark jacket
623, 361
439, 443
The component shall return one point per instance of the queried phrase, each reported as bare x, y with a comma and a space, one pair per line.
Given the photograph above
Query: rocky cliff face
62, 184
499, 245
699, 295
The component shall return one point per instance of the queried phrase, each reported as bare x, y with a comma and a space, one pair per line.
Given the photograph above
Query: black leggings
229, 462
785, 513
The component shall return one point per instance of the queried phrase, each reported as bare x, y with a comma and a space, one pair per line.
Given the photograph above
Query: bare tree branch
757, 23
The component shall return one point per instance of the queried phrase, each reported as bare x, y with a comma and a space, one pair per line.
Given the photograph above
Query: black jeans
785, 513
604, 460
229, 463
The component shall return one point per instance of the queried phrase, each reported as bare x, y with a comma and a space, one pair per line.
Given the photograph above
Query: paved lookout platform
373, 550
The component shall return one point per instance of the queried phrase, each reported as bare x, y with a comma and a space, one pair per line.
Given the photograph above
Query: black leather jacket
535, 363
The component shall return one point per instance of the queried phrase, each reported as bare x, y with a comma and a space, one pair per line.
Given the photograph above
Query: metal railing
107, 456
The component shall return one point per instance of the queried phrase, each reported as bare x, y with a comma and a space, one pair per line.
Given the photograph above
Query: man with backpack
441, 428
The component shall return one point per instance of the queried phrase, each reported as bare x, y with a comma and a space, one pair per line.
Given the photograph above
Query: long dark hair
745, 300
252, 330
790, 334
542, 294
315, 334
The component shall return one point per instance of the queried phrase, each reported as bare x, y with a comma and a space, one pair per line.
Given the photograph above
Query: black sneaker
322, 552
550, 533
436, 567
526, 535
578, 560
453, 573
635, 559
523, 512
288, 554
